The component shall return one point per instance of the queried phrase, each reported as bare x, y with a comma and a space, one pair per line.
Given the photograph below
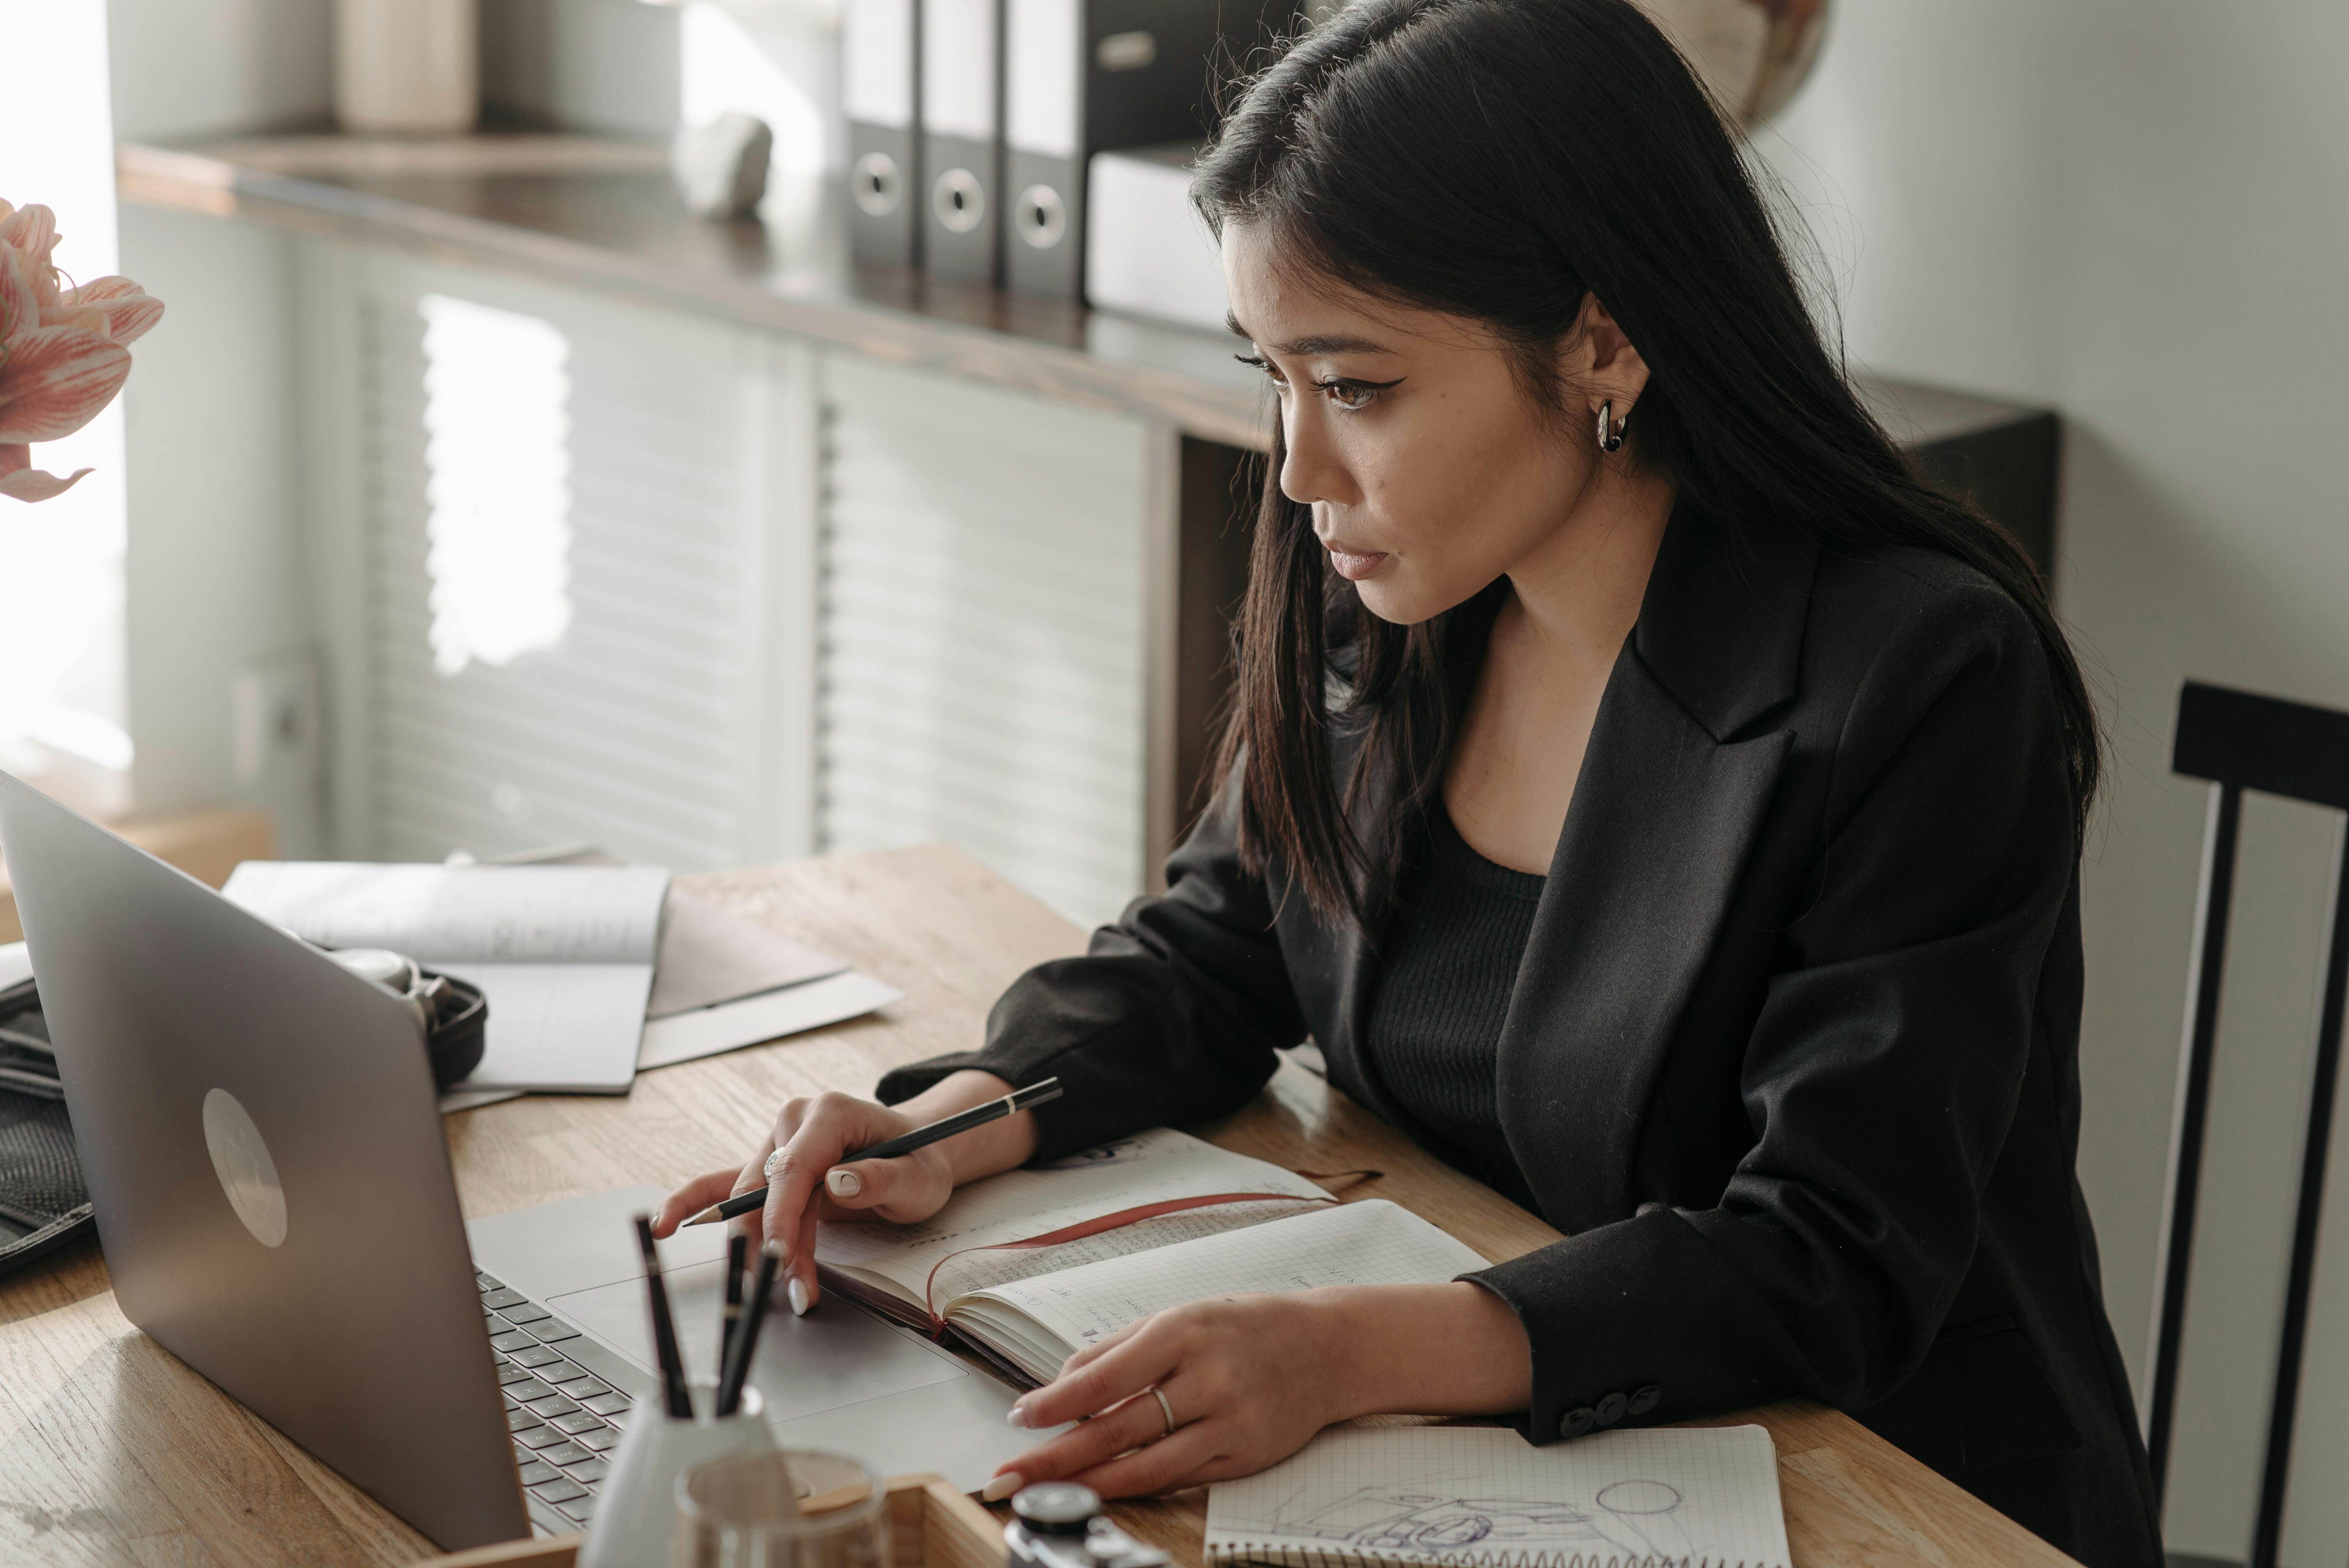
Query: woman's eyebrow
1315, 343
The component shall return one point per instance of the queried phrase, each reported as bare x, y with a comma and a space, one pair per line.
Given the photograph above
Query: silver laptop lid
262, 1145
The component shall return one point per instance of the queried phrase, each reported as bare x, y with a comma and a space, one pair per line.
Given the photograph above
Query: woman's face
1430, 468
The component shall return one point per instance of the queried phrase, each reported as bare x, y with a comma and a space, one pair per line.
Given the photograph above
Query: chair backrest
2240, 741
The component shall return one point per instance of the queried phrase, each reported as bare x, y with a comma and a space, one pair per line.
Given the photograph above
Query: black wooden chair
2241, 742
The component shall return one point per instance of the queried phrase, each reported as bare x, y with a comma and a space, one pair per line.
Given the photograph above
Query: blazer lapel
1678, 776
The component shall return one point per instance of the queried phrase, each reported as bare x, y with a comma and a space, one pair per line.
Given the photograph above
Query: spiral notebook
1483, 1497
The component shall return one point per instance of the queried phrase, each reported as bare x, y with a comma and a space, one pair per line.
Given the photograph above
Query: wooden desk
113, 1452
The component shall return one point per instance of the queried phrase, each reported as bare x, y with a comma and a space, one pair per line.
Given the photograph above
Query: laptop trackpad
837, 1354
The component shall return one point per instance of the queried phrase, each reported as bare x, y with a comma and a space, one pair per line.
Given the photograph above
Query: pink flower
61, 349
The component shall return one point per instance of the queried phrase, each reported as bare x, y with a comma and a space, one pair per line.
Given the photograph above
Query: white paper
564, 953
1482, 1497
1369, 1242
559, 1028
16, 965
455, 915
710, 955
755, 1020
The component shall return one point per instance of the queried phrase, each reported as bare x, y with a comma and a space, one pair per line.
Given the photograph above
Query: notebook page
565, 952
1370, 1242
463, 914
1483, 1497
976, 1271
1158, 1165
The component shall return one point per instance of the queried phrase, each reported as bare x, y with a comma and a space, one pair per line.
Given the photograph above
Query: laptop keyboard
564, 1403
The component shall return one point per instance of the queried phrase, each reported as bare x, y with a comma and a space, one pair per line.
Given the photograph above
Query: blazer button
1644, 1401
1578, 1421
1610, 1409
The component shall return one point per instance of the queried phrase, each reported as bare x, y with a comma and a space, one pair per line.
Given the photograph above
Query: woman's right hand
815, 1179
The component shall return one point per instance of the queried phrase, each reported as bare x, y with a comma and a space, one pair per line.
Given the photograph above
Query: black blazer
1792, 1058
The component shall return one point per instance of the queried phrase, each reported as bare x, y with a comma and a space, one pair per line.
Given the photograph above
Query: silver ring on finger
1165, 1409
768, 1170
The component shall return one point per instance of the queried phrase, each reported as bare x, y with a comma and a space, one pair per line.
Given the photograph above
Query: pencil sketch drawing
1632, 1516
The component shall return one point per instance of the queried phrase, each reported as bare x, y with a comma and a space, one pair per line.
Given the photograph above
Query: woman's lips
1354, 565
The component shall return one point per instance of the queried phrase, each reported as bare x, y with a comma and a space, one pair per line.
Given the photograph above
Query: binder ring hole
959, 200
876, 184
1043, 219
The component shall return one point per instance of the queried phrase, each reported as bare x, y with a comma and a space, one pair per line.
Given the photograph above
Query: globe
1751, 54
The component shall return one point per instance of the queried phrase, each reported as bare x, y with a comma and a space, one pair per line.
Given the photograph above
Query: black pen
738, 1253
746, 1342
905, 1143
672, 1367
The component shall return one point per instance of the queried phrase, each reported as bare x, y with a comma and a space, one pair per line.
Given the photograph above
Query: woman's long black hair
1499, 161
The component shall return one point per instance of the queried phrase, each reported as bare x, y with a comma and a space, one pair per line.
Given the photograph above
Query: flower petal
32, 230
18, 478
55, 380
20, 307
36, 484
89, 318
129, 310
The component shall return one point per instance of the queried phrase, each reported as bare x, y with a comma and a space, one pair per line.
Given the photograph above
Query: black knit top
1451, 958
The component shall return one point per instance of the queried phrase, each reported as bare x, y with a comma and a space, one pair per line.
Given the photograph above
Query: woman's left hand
1248, 1381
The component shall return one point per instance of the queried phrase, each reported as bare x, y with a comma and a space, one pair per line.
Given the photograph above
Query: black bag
43, 1203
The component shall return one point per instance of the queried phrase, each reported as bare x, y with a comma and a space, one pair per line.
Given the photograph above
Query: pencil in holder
636, 1517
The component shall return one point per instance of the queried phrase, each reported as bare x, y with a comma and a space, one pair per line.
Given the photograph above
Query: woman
1645, 790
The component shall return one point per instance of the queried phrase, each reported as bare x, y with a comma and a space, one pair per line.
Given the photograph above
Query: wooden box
931, 1525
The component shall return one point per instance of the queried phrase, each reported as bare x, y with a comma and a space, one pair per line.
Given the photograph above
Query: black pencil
738, 1254
1011, 1104
672, 1367
746, 1341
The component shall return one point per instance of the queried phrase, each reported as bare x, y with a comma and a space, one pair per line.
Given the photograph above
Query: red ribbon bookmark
1124, 1217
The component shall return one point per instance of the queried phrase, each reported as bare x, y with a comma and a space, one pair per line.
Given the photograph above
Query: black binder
1083, 76
962, 145
881, 73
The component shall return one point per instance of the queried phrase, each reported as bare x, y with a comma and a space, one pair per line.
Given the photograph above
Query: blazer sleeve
1881, 1077
1172, 1015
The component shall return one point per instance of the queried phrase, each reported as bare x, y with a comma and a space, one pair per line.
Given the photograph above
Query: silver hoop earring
1610, 429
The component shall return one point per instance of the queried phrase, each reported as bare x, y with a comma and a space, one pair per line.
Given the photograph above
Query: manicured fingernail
845, 1183
1015, 1417
1002, 1486
797, 1291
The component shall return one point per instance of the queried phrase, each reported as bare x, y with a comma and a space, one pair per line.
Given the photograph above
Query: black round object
455, 1042
1057, 1507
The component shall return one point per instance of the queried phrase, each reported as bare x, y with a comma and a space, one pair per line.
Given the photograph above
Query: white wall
61, 646
2133, 211
184, 67
214, 581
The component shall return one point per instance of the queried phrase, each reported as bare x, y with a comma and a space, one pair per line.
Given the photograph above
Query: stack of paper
593, 972
564, 953
724, 982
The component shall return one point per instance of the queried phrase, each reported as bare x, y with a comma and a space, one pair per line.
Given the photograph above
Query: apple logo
241, 1160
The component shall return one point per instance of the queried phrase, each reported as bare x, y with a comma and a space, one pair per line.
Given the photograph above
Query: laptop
263, 1144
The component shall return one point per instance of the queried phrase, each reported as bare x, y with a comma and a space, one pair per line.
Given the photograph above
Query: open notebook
1027, 1267
1482, 1497
565, 952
